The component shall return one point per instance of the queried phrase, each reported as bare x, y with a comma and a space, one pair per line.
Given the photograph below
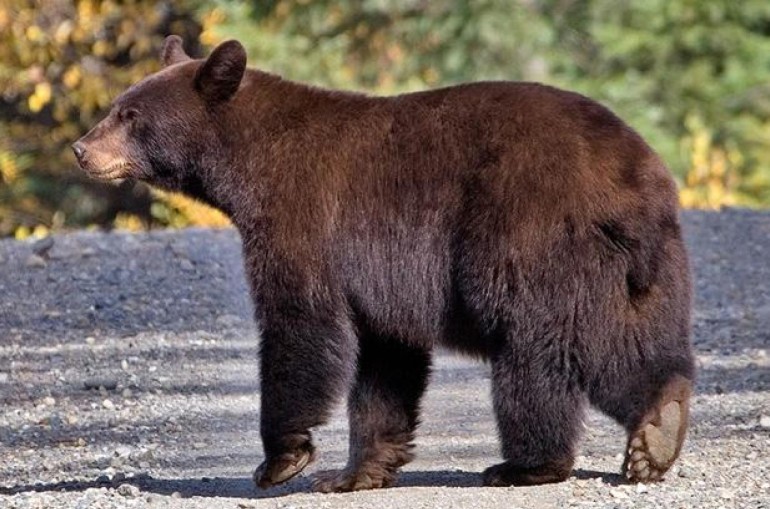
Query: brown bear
515, 222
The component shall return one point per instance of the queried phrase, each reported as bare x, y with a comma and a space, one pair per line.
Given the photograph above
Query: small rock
128, 490
726, 494
4, 377
103, 479
642, 488
122, 450
90, 340
683, 472
176, 494
187, 265
141, 455
617, 493
127, 393
55, 422
35, 261
109, 405
764, 421
49, 401
42, 246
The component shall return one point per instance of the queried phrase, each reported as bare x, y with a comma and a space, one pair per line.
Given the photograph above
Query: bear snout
80, 151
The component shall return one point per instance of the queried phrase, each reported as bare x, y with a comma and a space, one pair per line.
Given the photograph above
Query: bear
523, 225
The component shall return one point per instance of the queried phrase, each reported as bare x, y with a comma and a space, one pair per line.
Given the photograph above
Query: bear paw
282, 468
332, 481
509, 474
654, 446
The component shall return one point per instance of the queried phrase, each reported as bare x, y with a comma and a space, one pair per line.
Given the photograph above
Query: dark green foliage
693, 76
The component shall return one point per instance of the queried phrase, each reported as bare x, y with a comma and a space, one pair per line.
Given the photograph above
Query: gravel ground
128, 378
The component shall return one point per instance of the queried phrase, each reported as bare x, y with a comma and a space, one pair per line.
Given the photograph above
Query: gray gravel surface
128, 378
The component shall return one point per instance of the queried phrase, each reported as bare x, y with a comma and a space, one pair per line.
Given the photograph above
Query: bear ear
220, 75
173, 51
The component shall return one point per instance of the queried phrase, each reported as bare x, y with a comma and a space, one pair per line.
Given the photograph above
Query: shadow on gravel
611, 478
231, 487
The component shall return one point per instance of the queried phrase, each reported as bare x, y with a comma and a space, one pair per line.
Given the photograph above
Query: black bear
515, 222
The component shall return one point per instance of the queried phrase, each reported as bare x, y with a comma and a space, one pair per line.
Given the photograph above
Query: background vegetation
693, 76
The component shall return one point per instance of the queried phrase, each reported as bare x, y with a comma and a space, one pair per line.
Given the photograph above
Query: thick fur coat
515, 222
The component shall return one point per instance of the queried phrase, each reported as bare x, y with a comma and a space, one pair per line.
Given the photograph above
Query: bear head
163, 129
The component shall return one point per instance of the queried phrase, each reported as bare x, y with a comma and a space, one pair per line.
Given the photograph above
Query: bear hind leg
650, 398
383, 409
539, 416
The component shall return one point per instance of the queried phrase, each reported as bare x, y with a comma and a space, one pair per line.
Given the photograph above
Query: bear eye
127, 114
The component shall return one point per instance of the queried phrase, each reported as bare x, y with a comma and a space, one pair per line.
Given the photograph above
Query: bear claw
331, 481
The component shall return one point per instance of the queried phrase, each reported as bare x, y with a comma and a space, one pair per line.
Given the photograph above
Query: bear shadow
243, 487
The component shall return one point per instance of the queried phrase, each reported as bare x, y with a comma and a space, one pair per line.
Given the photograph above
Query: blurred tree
61, 63
693, 76
386, 45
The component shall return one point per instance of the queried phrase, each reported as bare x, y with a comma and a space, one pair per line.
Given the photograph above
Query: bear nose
79, 150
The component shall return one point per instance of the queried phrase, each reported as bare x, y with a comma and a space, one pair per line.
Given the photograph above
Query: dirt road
161, 322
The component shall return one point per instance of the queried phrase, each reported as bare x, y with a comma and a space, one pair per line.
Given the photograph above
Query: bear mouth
112, 172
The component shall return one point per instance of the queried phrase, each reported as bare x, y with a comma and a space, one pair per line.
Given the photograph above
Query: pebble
764, 421
35, 261
109, 405
176, 494
49, 401
642, 488
618, 493
128, 490
42, 246
122, 450
4, 377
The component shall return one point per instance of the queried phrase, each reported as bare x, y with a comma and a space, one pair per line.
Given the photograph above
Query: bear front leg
383, 409
305, 363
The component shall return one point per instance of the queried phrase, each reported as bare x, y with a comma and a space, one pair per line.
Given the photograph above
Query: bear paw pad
653, 448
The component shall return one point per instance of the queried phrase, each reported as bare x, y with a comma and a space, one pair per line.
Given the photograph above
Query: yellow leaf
72, 77
40, 97
35, 34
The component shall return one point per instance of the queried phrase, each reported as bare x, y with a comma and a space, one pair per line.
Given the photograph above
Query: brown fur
512, 221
